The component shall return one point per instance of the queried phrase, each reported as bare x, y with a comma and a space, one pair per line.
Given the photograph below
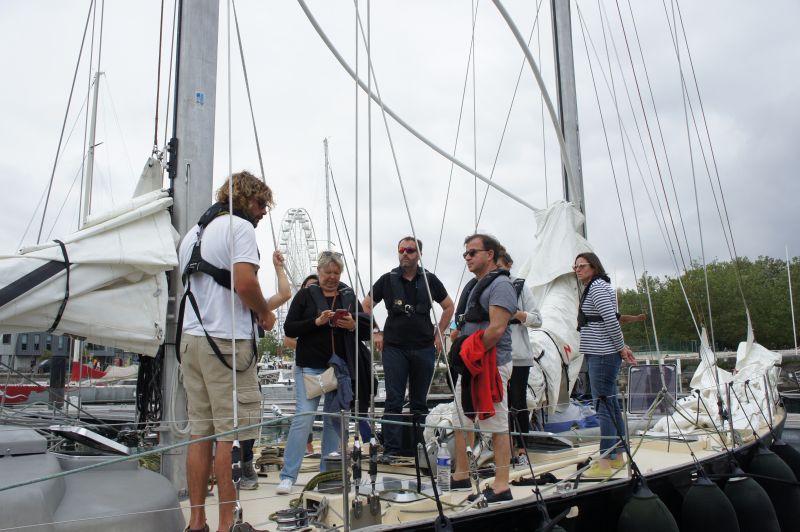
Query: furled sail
105, 283
549, 274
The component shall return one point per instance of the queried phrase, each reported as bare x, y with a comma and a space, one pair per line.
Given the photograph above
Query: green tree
270, 345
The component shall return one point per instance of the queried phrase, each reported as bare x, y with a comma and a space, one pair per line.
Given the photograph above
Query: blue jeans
413, 367
603, 373
302, 426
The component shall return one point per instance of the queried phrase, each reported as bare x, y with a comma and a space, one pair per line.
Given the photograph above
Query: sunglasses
579, 267
407, 251
471, 252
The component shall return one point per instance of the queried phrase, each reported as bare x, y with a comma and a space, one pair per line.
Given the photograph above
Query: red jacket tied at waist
486, 386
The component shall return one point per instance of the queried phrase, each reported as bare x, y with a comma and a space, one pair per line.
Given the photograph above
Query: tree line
764, 284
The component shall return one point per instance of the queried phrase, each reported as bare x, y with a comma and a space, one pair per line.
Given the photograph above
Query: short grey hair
326, 258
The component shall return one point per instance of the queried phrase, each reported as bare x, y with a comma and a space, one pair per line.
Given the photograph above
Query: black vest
399, 306
518, 284
345, 300
469, 308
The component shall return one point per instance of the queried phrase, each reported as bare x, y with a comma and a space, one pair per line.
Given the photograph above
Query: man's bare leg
227, 491
198, 467
502, 459
462, 463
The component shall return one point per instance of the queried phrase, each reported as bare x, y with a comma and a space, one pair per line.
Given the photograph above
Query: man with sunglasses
409, 342
490, 304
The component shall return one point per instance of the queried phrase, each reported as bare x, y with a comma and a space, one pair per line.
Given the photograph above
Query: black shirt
413, 331
313, 342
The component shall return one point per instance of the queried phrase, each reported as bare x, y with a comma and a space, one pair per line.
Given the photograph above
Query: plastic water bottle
443, 468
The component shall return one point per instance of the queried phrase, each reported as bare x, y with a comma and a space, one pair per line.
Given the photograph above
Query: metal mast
567, 101
328, 241
190, 169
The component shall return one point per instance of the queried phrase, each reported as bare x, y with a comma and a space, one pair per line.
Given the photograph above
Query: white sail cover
753, 387
115, 281
548, 272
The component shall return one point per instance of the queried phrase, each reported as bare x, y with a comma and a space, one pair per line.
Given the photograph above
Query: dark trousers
247, 450
401, 367
519, 417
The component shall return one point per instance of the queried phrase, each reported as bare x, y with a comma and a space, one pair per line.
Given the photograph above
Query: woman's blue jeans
603, 373
302, 425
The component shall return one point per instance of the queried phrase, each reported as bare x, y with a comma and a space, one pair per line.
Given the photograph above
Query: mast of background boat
791, 299
567, 102
190, 168
328, 240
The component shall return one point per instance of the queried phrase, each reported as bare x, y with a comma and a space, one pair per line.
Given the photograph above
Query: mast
328, 242
190, 170
87, 184
567, 101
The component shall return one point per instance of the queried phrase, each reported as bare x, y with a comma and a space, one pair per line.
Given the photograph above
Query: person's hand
325, 317
437, 341
454, 334
521, 316
277, 259
267, 321
627, 355
641, 317
377, 338
346, 322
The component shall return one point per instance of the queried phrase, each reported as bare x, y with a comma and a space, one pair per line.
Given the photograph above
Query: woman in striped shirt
604, 348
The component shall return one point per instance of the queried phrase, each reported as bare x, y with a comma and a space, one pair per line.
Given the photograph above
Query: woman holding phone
323, 320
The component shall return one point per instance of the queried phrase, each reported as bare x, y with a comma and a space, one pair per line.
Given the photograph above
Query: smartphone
341, 313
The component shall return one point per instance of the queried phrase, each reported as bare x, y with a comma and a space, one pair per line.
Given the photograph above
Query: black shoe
463, 484
387, 458
490, 496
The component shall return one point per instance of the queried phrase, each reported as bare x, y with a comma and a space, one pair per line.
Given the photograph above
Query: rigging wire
169, 76
474, 13
158, 75
660, 134
64, 123
253, 120
455, 148
388, 111
608, 148
650, 135
732, 245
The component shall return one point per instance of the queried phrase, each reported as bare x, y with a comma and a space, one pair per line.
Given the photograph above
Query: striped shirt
601, 337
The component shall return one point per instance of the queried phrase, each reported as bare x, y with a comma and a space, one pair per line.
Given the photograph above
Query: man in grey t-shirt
496, 305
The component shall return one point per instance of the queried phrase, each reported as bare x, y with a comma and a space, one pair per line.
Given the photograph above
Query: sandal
204, 529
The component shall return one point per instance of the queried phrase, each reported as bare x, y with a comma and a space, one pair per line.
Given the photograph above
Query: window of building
36, 339
48, 342
23, 342
61, 342
6, 339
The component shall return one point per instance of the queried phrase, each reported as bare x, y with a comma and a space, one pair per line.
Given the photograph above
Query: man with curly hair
211, 326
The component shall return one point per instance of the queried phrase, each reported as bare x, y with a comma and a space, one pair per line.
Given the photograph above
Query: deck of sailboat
655, 458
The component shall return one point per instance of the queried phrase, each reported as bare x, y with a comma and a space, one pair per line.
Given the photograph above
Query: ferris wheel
299, 246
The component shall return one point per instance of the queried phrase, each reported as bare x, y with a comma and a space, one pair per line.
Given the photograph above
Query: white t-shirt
214, 300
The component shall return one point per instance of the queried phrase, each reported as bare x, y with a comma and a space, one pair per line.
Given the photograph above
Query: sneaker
249, 479
387, 458
490, 496
463, 484
617, 463
284, 486
598, 471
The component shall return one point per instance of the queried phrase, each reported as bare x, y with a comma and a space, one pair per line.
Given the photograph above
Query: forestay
117, 290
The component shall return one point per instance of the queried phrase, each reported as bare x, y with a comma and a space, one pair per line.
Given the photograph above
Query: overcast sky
745, 55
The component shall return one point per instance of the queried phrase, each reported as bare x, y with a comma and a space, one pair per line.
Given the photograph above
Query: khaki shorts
499, 421
209, 387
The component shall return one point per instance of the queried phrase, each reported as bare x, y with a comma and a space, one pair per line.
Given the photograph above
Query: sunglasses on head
407, 251
471, 252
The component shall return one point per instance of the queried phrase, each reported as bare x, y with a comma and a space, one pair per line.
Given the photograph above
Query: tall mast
190, 167
567, 101
328, 241
86, 205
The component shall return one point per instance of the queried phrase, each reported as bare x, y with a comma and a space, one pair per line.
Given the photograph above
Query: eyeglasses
471, 252
579, 267
407, 251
